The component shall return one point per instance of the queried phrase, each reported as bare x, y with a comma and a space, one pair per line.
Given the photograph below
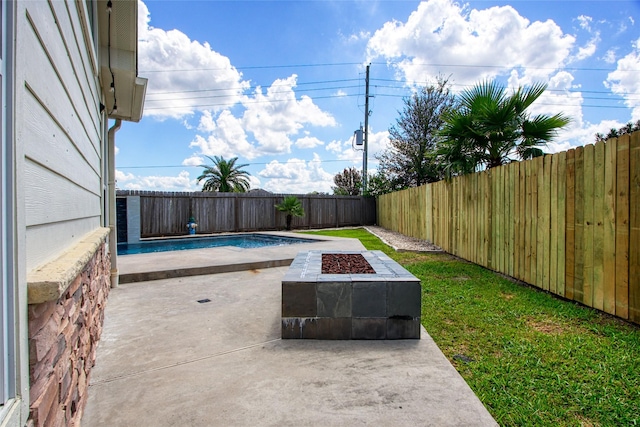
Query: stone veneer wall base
63, 336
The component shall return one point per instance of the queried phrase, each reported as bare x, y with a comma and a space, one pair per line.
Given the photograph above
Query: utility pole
366, 133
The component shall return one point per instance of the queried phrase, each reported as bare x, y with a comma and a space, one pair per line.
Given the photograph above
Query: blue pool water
240, 241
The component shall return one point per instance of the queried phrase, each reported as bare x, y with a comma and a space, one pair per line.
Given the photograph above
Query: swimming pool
246, 241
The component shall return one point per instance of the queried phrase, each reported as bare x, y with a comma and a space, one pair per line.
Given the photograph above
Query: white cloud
277, 115
559, 98
226, 137
181, 182
625, 80
354, 37
442, 32
180, 74
267, 126
254, 182
575, 136
588, 49
124, 177
308, 142
610, 56
297, 176
585, 22
194, 160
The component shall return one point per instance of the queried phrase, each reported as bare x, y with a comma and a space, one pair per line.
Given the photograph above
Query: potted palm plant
291, 206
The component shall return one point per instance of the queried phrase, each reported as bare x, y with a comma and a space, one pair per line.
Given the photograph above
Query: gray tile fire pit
384, 305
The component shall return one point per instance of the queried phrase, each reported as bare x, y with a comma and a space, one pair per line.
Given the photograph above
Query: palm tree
224, 176
489, 127
292, 207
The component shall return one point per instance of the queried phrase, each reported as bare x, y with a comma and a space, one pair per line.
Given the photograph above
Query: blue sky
281, 84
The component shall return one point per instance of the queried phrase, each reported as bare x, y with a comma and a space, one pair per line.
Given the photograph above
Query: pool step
200, 271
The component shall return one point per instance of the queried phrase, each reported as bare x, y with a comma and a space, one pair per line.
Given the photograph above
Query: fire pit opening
345, 264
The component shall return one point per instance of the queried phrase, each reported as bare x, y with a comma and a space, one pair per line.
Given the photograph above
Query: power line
255, 86
542, 103
350, 95
400, 86
276, 92
254, 67
245, 102
338, 64
506, 67
425, 83
248, 164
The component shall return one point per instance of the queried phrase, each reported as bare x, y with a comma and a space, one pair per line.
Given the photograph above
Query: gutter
111, 191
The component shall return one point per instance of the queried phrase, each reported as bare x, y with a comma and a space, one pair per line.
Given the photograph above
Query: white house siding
59, 130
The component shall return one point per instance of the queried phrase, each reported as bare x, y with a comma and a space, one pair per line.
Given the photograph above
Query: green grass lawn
531, 358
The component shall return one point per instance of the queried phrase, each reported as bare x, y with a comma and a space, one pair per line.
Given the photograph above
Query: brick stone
61, 347
38, 387
369, 299
296, 328
42, 405
74, 288
334, 299
299, 300
39, 315
45, 338
399, 328
55, 418
332, 328
368, 328
403, 298
65, 383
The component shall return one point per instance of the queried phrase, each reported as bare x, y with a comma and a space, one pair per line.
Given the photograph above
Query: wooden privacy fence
568, 223
167, 213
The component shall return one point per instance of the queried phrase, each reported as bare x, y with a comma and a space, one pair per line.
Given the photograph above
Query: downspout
111, 191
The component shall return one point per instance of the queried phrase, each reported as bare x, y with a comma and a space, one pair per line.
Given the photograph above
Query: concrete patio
168, 357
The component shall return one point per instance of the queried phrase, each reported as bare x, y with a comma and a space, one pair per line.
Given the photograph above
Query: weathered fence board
634, 228
167, 213
561, 160
579, 211
598, 227
622, 228
609, 249
568, 223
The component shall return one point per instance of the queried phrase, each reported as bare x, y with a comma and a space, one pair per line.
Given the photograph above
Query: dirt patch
585, 422
345, 264
546, 327
507, 297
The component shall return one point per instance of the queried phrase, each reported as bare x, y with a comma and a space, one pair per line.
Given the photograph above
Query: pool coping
223, 259
153, 241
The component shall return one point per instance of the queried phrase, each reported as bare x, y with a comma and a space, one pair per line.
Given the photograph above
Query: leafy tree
489, 126
292, 207
614, 133
410, 160
378, 184
348, 182
224, 176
